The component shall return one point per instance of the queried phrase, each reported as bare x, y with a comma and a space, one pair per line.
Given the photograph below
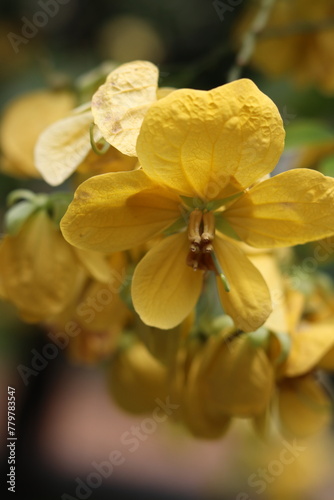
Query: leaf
307, 133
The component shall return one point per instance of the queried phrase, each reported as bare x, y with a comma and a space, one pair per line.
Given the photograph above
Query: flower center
201, 255
201, 233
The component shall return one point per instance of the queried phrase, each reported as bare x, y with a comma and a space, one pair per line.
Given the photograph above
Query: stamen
193, 261
194, 226
208, 233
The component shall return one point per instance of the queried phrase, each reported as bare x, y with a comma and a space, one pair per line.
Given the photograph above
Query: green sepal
224, 227
260, 337
176, 227
17, 215
57, 205
285, 345
18, 195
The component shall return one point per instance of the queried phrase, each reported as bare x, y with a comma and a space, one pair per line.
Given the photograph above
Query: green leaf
326, 167
304, 133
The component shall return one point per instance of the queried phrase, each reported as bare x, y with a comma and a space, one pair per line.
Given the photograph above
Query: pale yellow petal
289, 209
118, 211
62, 147
164, 289
120, 104
248, 302
200, 143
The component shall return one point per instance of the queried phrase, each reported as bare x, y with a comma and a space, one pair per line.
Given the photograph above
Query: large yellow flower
202, 154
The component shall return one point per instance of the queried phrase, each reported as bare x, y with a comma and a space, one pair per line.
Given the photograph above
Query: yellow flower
40, 273
299, 34
23, 120
202, 155
116, 113
227, 379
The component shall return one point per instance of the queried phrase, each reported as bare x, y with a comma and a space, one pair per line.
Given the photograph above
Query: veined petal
120, 104
200, 142
164, 289
248, 302
118, 211
62, 147
289, 209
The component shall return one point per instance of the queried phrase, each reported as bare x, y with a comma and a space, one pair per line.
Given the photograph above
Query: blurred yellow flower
40, 273
23, 120
300, 35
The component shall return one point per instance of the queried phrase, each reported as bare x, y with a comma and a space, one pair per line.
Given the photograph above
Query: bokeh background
65, 417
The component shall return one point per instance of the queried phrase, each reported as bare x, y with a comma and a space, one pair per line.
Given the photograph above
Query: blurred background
65, 418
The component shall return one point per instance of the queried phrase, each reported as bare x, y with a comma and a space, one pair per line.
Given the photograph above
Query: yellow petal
304, 406
164, 289
24, 119
198, 142
248, 302
308, 347
95, 263
62, 147
289, 209
268, 267
118, 211
120, 104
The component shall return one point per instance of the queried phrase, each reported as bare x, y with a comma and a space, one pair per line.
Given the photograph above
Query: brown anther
193, 261
195, 248
207, 248
194, 226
